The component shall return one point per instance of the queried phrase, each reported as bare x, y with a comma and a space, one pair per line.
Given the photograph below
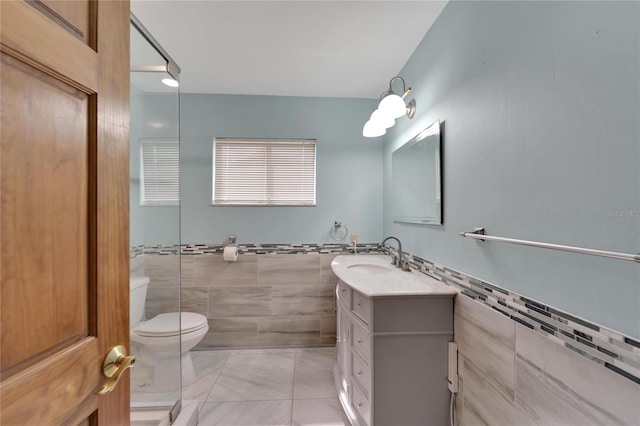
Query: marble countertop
394, 282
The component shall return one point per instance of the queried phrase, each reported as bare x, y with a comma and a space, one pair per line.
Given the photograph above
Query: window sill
260, 205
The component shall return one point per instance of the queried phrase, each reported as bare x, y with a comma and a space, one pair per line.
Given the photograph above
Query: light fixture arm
397, 77
411, 106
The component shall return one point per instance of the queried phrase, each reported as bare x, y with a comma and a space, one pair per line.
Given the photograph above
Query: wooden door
64, 292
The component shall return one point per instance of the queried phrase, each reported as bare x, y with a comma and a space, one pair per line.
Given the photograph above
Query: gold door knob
113, 366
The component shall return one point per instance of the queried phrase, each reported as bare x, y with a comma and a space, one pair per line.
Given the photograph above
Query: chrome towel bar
478, 234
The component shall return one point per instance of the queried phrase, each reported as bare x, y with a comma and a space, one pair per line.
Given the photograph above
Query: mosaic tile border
204, 249
136, 251
161, 249
613, 350
251, 249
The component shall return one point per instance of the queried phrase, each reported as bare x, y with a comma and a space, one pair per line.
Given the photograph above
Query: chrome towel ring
338, 232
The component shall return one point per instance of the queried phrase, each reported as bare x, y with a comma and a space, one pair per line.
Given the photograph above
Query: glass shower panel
155, 230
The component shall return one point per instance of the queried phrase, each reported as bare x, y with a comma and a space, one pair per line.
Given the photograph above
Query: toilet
156, 339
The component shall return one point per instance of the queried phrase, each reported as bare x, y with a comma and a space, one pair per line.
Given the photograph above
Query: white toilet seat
167, 325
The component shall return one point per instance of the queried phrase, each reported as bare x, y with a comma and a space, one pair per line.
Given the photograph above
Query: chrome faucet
397, 260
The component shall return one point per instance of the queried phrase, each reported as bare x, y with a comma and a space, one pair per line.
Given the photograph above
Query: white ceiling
288, 48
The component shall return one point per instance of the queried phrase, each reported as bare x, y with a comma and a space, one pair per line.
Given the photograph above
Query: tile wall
510, 374
522, 362
273, 296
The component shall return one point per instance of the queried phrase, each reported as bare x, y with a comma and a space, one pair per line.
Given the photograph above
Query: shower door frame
173, 69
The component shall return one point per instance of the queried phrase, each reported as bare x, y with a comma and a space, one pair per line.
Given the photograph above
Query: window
159, 173
268, 172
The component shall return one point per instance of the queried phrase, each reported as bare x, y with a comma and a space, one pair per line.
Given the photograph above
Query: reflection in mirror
417, 181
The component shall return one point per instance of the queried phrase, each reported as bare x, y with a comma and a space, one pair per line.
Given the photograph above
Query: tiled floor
258, 387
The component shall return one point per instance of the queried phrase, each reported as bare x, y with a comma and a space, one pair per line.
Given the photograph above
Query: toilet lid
164, 325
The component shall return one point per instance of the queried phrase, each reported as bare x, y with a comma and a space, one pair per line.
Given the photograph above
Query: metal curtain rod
478, 234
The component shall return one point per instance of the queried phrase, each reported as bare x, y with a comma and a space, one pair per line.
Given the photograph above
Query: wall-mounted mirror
417, 181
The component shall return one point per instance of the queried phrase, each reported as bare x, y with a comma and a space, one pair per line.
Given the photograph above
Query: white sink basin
370, 268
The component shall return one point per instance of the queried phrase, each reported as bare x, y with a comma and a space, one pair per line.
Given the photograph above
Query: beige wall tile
328, 330
552, 403
303, 300
160, 301
162, 270
487, 339
186, 271
548, 372
483, 404
298, 309
459, 403
289, 331
212, 271
239, 302
300, 269
195, 299
328, 277
231, 332
326, 259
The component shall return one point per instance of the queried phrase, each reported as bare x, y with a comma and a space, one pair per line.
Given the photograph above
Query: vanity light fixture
170, 82
390, 107
371, 130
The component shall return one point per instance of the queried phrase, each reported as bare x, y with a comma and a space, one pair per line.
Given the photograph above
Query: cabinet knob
360, 341
359, 404
360, 373
359, 303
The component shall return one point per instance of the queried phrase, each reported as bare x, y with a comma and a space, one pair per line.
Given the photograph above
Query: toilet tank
138, 289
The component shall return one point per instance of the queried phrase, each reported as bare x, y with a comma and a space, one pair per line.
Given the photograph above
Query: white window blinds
264, 172
159, 173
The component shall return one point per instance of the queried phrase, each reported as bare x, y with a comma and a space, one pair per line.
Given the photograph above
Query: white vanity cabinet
391, 363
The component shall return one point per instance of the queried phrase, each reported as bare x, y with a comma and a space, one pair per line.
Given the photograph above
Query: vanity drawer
361, 341
344, 293
361, 306
361, 404
361, 373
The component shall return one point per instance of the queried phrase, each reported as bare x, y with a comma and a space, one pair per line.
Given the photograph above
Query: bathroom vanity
393, 329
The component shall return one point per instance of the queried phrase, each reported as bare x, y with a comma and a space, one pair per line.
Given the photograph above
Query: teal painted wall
348, 168
540, 104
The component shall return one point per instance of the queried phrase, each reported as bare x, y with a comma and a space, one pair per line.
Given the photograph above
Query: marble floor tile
254, 376
246, 413
154, 398
206, 362
256, 387
141, 376
314, 374
315, 412
207, 366
143, 390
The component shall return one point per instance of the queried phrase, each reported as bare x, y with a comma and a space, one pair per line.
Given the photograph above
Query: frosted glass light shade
393, 106
371, 130
170, 82
382, 119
